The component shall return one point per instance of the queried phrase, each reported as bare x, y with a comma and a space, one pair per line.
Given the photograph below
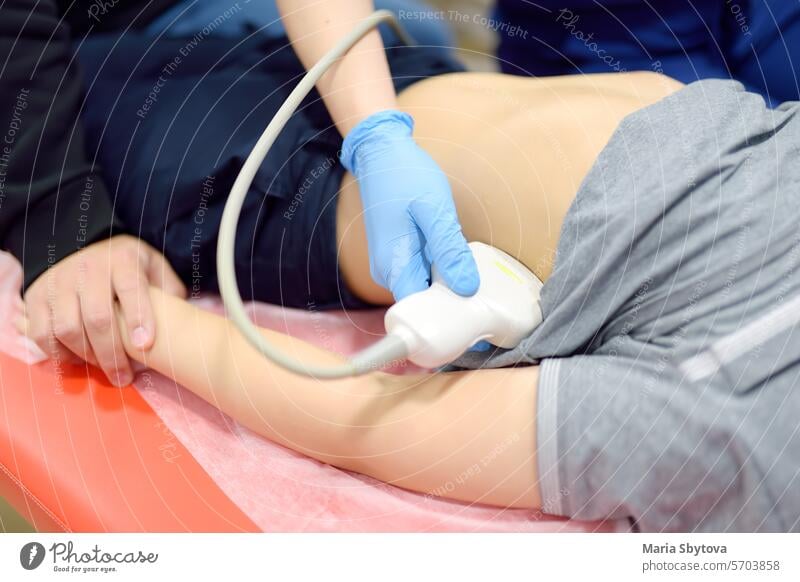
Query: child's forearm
468, 436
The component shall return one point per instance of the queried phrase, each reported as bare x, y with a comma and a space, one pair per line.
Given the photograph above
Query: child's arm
464, 435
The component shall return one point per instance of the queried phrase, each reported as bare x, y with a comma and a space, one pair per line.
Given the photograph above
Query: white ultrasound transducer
438, 325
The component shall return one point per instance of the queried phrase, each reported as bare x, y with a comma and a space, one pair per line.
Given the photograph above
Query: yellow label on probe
507, 270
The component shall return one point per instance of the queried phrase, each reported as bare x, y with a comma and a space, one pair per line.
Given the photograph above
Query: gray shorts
669, 350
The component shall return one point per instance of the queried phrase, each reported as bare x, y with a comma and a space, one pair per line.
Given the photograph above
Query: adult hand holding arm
410, 217
70, 307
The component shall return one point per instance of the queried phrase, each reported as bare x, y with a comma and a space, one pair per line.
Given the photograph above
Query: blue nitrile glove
409, 212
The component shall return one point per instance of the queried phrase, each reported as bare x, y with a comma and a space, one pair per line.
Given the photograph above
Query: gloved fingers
414, 278
481, 346
391, 245
446, 245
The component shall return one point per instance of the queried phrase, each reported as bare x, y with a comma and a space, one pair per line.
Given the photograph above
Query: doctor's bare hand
69, 309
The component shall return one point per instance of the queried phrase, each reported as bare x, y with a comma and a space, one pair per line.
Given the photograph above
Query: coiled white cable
386, 350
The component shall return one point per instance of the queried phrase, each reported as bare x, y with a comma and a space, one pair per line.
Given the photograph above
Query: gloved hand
409, 213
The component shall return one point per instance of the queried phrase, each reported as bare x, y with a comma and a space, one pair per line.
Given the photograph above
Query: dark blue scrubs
754, 41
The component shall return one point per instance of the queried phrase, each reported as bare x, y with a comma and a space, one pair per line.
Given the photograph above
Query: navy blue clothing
171, 121
756, 42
